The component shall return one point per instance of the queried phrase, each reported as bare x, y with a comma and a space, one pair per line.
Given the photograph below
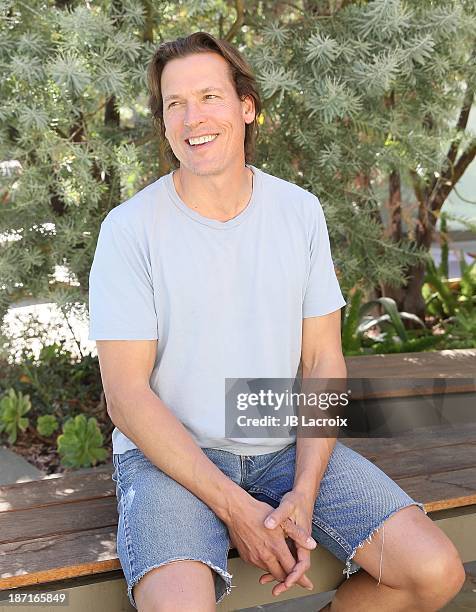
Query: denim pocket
123, 458
127, 465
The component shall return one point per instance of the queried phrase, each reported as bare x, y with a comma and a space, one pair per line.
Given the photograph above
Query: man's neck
219, 197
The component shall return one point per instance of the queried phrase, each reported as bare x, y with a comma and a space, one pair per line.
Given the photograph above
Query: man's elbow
330, 364
121, 398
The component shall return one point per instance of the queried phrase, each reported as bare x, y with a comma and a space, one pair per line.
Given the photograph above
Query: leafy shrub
393, 336
12, 408
57, 382
80, 444
47, 424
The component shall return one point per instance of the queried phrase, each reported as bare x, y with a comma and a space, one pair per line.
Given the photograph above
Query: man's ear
249, 109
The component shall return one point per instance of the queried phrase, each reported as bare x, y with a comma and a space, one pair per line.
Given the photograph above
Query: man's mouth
201, 141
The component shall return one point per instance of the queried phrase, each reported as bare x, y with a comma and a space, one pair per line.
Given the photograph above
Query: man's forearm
312, 454
155, 430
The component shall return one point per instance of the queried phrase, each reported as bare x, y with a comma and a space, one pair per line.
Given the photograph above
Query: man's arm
126, 367
141, 415
321, 358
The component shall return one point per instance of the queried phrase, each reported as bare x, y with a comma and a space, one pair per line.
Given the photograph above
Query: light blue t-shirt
223, 299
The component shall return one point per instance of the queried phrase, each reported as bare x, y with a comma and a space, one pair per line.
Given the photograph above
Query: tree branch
447, 183
235, 28
460, 126
448, 166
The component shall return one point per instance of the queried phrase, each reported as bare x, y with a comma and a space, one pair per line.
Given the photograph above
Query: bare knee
440, 578
187, 586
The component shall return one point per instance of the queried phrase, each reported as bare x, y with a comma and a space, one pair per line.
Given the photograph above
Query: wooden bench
60, 533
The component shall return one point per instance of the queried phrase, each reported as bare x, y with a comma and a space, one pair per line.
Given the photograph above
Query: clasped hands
276, 540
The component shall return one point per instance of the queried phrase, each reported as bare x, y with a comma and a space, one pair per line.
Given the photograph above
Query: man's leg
187, 586
172, 547
418, 566
417, 569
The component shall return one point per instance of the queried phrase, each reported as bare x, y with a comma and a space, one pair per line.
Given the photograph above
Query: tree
366, 94
356, 95
74, 117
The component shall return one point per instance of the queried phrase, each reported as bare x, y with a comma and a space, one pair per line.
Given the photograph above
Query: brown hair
240, 72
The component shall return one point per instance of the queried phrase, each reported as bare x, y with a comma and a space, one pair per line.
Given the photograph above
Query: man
220, 270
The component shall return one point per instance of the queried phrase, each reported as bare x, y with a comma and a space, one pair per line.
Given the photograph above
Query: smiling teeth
202, 139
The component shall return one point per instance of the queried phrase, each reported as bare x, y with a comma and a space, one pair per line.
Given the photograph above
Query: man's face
204, 102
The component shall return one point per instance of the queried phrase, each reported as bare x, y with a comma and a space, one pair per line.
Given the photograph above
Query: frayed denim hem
221, 572
351, 566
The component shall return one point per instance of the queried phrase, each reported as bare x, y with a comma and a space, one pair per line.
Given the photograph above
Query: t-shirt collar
214, 223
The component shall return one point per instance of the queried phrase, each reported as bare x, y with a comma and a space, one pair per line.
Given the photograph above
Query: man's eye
172, 103
212, 95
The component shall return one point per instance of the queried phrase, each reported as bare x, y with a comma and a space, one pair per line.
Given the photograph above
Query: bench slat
85, 484
57, 519
422, 463
58, 557
93, 551
430, 438
460, 363
442, 490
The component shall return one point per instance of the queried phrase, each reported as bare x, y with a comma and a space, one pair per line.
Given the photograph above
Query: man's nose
193, 115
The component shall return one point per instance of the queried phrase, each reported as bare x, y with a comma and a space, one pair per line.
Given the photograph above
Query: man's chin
203, 169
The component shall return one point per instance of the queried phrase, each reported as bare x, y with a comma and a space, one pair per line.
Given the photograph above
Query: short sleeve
323, 294
121, 295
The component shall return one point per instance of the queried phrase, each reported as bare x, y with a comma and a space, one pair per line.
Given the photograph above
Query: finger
275, 568
299, 535
287, 562
282, 588
297, 575
305, 582
280, 514
301, 554
265, 578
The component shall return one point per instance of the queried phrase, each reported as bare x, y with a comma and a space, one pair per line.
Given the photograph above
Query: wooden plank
380, 388
457, 363
49, 559
87, 484
430, 438
57, 518
442, 490
58, 557
420, 462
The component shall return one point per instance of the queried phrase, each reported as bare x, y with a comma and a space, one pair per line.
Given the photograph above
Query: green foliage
439, 298
391, 344
73, 113
460, 329
357, 323
453, 303
351, 338
59, 386
391, 316
468, 284
56, 381
359, 85
80, 444
13, 407
47, 424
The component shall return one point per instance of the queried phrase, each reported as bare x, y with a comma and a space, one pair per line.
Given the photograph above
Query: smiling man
220, 270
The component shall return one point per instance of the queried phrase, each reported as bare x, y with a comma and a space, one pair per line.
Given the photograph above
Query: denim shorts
160, 521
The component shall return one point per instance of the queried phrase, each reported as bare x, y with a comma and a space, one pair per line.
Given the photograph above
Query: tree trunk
431, 195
